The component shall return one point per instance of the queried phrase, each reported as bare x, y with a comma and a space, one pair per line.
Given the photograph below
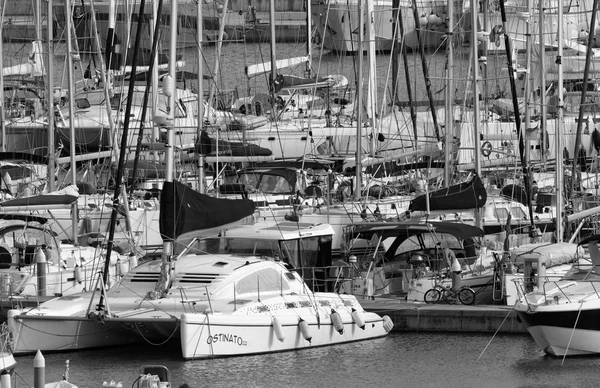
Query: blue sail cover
184, 210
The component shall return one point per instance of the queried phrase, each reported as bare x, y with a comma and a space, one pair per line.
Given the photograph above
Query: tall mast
513, 90
586, 75
559, 128
372, 85
2, 116
71, 84
308, 38
50, 91
425, 69
449, 94
359, 104
273, 59
476, 117
542, 59
199, 37
122, 154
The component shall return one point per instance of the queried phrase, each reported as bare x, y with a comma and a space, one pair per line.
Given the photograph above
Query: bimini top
397, 229
281, 231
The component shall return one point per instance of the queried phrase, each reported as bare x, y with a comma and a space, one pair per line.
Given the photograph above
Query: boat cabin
303, 247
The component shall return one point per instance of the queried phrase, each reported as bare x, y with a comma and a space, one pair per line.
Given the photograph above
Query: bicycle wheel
466, 296
432, 296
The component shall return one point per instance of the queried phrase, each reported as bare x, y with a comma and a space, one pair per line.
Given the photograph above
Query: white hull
216, 335
337, 24
57, 334
557, 341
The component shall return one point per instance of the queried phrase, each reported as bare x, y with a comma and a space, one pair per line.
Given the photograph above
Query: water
399, 360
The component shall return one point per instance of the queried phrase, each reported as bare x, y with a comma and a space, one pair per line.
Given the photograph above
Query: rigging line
576, 320
175, 330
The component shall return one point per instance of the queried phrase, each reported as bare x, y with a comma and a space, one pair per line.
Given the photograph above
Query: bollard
41, 262
5, 379
39, 370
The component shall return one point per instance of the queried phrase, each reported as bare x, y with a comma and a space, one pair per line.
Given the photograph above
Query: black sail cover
466, 195
184, 210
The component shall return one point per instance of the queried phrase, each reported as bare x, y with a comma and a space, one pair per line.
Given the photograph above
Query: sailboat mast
122, 154
542, 59
2, 115
273, 59
586, 75
372, 85
408, 77
140, 137
308, 38
395, 51
110, 36
359, 104
559, 128
425, 70
71, 83
520, 135
449, 94
476, 117
50, 98
199, 37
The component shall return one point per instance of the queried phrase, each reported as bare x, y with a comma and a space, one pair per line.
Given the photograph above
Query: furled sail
184, 210
465, 195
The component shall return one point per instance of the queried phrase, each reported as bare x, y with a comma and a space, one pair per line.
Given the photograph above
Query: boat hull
220, 335
561, 330
337, 24
57, 334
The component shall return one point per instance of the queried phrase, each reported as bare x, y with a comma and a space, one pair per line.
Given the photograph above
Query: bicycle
449, 295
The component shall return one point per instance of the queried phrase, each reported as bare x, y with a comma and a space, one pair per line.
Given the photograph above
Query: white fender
337, 321
133, 262
278, 329
122, 268
358, 319
388, 324
78, 275
303, 325
118, 268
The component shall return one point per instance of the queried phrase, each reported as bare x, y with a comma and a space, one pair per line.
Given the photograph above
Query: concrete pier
445, 317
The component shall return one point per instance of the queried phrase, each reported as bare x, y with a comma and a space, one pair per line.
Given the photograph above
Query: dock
406, 316
409, 316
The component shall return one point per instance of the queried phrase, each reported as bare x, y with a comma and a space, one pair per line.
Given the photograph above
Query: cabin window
517, 213
250, 180
266, 280
501, 213
273, 184
82, 103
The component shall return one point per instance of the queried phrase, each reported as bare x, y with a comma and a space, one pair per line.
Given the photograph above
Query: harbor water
407, 359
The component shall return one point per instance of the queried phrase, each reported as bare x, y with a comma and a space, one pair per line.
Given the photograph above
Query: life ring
486, 149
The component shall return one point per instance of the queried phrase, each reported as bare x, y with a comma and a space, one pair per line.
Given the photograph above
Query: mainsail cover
184, 210
466, 195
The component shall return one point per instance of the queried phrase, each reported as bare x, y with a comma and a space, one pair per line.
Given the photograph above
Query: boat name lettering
225, 338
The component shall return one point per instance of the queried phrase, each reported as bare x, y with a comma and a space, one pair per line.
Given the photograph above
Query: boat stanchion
278, 329
337, 321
